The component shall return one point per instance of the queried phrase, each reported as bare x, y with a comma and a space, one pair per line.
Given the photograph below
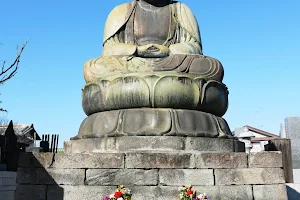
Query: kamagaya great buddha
152, 65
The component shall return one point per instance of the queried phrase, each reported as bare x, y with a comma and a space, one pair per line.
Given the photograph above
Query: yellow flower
188, 186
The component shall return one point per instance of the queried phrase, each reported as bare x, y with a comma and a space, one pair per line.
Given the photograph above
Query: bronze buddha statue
146, 36
152, 58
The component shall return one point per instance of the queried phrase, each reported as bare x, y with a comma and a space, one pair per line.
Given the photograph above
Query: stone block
155, 192
78, 192
236, 192
254, 176
221, 160
160, 160
179, 177
151, 143
95, 160
7, 188
263, 192
209, 144
239, 146
51, 176
9, 181
121, 176
93, 145
8, 178
3, 167
293, 191
39, 160
265, 159
33, 149
32, 192
7, 174
68, 147
73, 161
98, 192
172, 193
7, 195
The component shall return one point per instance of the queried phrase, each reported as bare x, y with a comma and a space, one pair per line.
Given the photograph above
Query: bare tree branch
9, 72
2, 110
4, 121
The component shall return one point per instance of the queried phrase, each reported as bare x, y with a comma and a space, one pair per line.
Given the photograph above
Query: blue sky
257, 41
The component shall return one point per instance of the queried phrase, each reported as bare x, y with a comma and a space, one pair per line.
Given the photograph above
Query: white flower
126, 191
120, 198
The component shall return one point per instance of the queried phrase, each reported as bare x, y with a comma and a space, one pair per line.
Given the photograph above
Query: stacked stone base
151, 175
7, 185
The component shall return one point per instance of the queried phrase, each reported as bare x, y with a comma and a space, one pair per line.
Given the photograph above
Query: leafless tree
4, 121
7, 72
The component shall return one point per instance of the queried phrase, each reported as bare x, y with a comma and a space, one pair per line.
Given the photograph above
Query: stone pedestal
153, 167
154, 144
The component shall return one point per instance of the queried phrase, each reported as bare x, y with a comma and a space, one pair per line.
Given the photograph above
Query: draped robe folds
184, 44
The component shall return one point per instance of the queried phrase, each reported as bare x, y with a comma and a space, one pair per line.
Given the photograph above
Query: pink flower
106, 198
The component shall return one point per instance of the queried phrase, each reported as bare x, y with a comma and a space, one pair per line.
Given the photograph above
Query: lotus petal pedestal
153, 122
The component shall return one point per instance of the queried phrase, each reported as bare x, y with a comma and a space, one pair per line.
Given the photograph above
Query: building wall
282, 132
291, 129
259, 146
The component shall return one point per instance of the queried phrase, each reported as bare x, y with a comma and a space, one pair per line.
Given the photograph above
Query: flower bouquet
186, 193
121, 193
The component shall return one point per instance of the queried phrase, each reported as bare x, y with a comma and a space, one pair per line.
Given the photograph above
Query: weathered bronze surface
153, 122
155, 90
152, 57
140, 37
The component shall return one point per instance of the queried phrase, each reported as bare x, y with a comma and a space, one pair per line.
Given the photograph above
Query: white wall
259, 146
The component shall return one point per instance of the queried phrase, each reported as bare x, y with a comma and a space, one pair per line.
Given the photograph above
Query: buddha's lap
208, 67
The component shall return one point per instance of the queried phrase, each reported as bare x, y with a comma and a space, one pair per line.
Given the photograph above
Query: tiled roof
258, 139
17, 128
24, 132
250, 128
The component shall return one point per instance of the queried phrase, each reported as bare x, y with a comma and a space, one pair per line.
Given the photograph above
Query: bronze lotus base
155, 90
153, 122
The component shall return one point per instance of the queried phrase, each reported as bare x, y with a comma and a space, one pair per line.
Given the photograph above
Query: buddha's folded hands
152, 51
